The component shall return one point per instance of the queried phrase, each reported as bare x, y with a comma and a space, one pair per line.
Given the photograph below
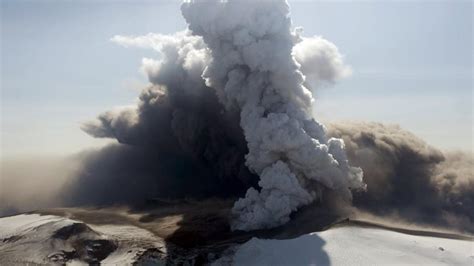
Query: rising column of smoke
252, 69
179, 124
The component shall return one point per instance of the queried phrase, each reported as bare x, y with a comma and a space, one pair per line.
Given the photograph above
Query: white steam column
252, 68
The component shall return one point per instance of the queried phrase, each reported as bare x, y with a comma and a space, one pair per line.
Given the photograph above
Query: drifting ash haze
408, 179
227, 114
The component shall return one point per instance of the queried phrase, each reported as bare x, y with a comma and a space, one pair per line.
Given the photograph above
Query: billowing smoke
235, 66
179, 141
252, 69
409, 179
320, 61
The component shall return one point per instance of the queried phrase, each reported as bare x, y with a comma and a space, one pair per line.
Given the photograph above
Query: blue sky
411, 61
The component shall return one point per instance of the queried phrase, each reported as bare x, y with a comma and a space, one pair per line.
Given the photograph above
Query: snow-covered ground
353, 246
50, 239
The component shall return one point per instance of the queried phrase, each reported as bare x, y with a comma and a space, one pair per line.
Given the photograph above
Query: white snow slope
34, 239
353, 246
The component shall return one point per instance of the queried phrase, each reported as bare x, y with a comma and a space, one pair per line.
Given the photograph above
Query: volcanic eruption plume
236, 65
252, 68
227, 115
